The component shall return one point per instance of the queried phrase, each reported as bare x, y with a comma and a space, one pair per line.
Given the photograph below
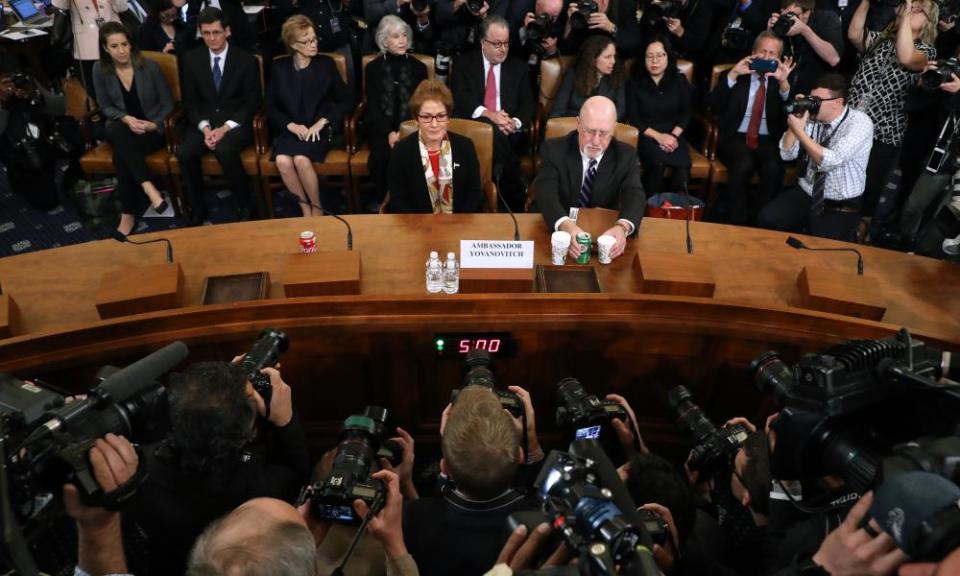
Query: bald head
551, 7
595, 125
263, 536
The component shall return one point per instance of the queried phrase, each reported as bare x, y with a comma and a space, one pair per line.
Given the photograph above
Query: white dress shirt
479, 110
754, 86
223, 60
585, 165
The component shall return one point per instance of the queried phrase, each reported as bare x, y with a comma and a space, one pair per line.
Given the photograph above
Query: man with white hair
589, 169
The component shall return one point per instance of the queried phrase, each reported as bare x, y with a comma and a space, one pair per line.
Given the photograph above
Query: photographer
732, 39
217, 456
814, 38
545, 45
461, 530
459, 21
690, 28
614, 18
836, 140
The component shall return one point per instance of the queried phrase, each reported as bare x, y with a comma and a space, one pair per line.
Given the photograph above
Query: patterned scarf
440, 188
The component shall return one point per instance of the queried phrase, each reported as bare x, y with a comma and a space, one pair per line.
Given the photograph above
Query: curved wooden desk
377, 347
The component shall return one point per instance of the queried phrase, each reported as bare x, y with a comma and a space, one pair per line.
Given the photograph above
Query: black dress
303, 97
569, 101
390, 80
660, 107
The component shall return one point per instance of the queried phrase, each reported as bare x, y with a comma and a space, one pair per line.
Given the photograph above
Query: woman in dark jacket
306, 101
598, 72
390, 80
434, 170
134, 96
164, 31
659, 106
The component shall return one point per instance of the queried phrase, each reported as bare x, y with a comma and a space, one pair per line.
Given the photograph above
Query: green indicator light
439, 343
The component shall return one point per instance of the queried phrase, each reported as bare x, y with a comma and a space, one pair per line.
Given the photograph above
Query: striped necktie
586, 189
819, 178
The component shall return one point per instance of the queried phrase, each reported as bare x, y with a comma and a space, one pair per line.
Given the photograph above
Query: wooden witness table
377, 347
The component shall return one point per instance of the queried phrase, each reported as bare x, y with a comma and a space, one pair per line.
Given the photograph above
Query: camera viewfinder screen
589, 432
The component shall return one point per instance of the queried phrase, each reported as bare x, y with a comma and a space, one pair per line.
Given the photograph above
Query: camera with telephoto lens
714, 448
797, 105
783, 24
584, 500
362, 443
662, 9
478, 364
540, 28
584, 412
933, 78
265, 353
737, 39
45, 441
842, 409
580, 19
474, 6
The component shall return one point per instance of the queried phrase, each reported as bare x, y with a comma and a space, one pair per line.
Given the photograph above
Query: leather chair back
558, 127
168, 66
551, 76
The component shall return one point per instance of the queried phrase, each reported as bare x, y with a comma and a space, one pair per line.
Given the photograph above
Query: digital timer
458, 344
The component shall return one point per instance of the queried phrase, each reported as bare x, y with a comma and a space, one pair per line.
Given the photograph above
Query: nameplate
496, 254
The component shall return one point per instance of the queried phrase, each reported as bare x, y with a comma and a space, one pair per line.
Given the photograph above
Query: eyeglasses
655, 57
429, 118
498, 45
602, 135
308, 41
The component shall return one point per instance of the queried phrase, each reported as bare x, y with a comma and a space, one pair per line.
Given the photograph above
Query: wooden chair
209, 165
360, 149
336, 163
560, 127
481, 134
99, 160
551, 76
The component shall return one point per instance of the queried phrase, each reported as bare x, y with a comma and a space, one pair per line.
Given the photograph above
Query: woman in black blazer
306, 101
164, 31
597, 72
433, 170
659, 105
390, 80
134, 96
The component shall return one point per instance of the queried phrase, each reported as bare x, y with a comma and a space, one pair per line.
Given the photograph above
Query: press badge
335, 24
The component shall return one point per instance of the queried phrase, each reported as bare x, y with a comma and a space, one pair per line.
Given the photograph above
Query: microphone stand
794, 242
120, 237
497, 170
686, 193
325, 213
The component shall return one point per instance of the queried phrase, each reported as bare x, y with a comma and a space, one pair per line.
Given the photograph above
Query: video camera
478, 364
363, 442
933, 78
714, 448
583, 498
842, 410
265, 353
580, 19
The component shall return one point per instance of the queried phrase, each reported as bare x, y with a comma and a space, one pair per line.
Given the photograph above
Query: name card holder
330, 273
828, 290
9, 317
674, 274
139, 290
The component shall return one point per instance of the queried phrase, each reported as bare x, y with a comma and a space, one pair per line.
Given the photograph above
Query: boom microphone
326, 213
799, 245
497, 171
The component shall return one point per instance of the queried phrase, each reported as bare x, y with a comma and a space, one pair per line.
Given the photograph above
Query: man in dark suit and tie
490, 87
221, 94
589, 169
749, 105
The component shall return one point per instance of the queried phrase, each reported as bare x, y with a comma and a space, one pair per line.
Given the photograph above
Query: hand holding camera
280, 410
386, 526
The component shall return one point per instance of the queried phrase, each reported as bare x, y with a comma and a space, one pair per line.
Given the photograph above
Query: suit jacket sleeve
110, 108
190, 87
464, 103
473, 194
276, 109
161, 94
401, 172
376, 120
525, 103
549, 181
250, 85
561, 104
340, 94
633, 200
720, 97
634, 109
685, 102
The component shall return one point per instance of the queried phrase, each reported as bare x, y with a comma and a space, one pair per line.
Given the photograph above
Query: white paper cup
604, 246
560, 244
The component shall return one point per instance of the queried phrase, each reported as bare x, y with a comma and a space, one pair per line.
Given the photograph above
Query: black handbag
61, 34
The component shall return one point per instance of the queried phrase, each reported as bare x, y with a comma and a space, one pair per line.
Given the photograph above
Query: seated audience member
420, 30
433, 170
890, 64
217, 456
462, 530
598, 72
390, 81
164, 31
490, 87
221, 94
815, 41
836, 141
659, 105
588, 168
306, 102
134, 96
749, 105
546, 46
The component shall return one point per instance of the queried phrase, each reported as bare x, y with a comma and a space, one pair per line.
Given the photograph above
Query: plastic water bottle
434, 274
451, 275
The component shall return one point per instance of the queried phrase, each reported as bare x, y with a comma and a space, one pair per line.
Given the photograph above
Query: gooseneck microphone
497, 171
121, 237
799, 245
686, 193
325, 213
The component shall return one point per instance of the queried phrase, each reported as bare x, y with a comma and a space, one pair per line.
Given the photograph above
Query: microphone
120, 237
921, 512
307, 201
799, 245
686, 193
497, 170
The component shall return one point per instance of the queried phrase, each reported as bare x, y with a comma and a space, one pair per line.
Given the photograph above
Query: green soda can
583, 239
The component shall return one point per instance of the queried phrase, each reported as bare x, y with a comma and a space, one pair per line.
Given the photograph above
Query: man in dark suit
490, 87
221, 93
589, 169
749, 105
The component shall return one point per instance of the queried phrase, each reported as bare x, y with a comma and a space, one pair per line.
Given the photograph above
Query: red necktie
490, 92
753, 128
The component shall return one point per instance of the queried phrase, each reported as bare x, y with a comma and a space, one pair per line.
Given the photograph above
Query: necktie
819, 179
756, 114
217, 74
490, 92
586, 189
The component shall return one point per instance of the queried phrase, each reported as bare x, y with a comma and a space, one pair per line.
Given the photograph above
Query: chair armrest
353, 127
261, 133
170, 128
490, 194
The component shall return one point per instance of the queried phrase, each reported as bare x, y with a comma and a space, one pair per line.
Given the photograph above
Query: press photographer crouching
836, 141
228, 443
540, 31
